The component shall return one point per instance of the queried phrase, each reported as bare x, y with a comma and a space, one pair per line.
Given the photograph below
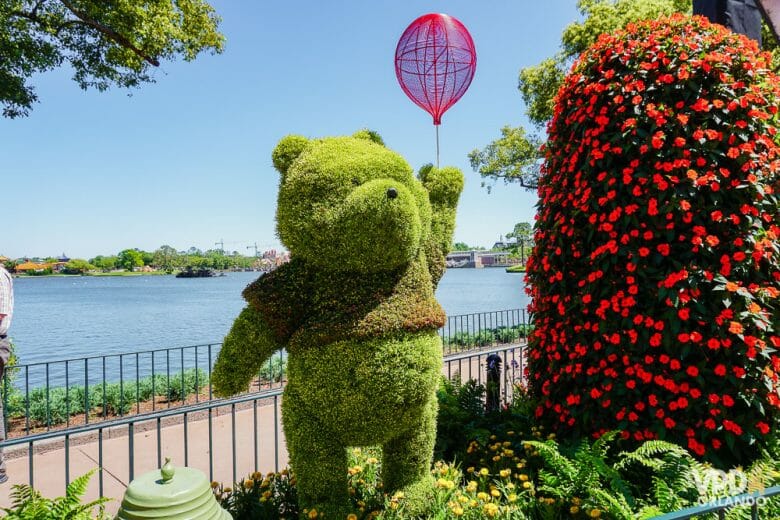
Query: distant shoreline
117, 273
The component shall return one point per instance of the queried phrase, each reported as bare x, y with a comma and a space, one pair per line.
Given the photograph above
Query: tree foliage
116, 43
129, 259
514, 156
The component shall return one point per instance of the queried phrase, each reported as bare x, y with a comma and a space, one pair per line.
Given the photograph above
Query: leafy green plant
274, 370
62, 403
260, 497
28, 504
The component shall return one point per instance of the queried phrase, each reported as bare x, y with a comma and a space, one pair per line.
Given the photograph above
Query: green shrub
119, 399
61, 403
28, 504
274, 370
185, 383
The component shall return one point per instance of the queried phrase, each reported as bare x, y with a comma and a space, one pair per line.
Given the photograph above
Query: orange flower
735, 328
732, 287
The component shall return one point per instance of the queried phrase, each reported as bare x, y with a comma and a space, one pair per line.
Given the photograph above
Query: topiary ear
369, 135
288, 149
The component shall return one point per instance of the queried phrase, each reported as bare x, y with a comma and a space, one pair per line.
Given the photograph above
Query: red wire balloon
435, 62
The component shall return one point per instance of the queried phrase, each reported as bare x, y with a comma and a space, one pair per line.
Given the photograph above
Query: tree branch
110, 33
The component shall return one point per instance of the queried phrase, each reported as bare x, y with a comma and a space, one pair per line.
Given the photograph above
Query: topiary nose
392, 193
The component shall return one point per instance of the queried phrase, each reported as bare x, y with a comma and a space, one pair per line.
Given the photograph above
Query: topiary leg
406, 461
318, 460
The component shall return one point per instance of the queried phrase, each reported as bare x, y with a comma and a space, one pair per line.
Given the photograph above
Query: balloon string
437, 147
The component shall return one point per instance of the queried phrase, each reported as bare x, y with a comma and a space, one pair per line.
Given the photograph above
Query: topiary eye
355, 181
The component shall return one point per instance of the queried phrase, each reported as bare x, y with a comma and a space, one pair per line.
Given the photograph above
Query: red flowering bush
655, 273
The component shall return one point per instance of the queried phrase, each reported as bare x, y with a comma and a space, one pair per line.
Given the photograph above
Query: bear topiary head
349, 203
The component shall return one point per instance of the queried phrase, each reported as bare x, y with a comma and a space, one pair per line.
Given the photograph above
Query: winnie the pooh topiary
355, 311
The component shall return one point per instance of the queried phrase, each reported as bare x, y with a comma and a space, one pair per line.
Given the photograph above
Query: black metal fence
73, 392
226, 438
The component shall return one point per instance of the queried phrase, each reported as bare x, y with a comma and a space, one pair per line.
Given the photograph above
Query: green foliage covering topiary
355, 310
656, 271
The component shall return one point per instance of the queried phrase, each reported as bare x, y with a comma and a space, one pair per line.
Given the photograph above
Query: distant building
34, 267
478, 259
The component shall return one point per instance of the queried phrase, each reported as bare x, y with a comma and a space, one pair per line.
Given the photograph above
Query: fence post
493, 387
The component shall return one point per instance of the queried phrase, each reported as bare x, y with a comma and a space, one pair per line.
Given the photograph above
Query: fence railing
225, 438
721, 506
79, 391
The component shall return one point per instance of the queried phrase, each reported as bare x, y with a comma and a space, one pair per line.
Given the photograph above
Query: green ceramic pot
173, 494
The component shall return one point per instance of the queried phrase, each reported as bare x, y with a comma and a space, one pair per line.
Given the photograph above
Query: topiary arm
247, 346
444, 187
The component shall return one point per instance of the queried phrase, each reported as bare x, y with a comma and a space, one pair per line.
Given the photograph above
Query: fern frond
557, 462
616, 505
64, 507
647, 454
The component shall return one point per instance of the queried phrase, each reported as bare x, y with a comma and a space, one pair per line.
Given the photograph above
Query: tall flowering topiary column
655, 272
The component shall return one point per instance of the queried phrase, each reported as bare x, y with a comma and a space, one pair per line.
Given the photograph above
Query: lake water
70, 317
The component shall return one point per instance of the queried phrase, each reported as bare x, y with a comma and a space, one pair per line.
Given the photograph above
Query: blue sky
187, 161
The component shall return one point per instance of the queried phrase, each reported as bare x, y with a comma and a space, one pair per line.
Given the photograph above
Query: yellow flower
456, 510
470, 469
214, 485
574, 510
490, 510
511, 498
496, 458
495, 493
352, 516
463, 500
483, 496
472, 486
595, 513
313, 513
523, 477
266, 494
372, 460
445, 484
249, 483
526, 485
505, 473
484, 472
